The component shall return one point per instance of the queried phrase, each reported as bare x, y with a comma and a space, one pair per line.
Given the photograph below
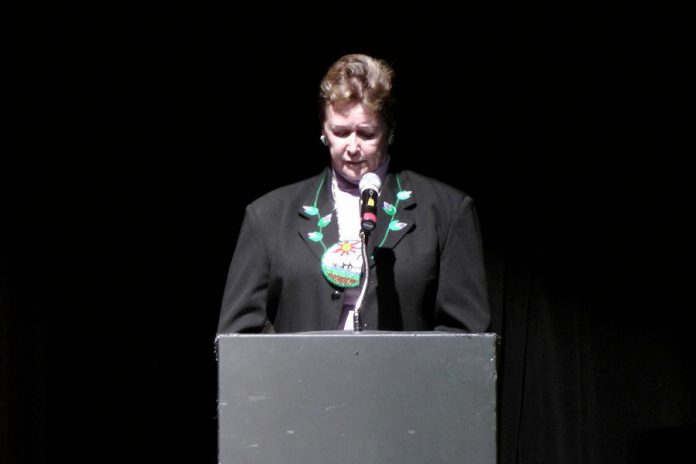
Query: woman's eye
365, 135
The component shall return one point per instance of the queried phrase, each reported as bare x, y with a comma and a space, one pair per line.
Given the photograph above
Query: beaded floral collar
342, 262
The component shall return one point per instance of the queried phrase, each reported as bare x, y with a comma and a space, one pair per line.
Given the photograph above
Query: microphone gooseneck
369, 185
357, 323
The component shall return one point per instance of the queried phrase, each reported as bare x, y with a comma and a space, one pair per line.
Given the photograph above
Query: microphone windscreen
370, 181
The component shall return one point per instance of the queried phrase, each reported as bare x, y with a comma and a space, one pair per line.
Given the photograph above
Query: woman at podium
364, 244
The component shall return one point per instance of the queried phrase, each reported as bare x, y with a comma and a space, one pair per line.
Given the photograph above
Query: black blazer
427, 270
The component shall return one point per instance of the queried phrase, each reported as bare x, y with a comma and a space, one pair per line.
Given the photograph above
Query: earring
390, 139
323, 140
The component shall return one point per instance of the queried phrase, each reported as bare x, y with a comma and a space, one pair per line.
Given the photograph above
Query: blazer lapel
396, 214
317, 226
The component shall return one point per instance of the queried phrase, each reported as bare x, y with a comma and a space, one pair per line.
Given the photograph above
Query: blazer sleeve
244, 299
462, 295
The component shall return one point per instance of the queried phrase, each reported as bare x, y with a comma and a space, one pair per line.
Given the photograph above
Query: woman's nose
352, 146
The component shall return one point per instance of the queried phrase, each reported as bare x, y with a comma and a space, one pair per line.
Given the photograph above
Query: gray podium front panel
367, 398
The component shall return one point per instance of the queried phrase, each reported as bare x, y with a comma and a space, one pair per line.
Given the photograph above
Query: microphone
369, 191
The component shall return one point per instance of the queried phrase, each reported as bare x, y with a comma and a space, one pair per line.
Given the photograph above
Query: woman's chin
354, 173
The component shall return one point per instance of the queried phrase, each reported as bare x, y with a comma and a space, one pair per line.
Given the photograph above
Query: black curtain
134, 139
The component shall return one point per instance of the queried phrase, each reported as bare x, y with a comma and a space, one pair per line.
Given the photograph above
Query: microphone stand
357, 324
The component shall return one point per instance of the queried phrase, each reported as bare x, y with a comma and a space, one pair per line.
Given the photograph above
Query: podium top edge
365, 333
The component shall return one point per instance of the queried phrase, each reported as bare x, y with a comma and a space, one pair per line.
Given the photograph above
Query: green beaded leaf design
396, 225
311, 210
315, 236
323, 222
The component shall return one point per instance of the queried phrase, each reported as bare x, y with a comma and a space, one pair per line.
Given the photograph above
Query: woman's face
356, 138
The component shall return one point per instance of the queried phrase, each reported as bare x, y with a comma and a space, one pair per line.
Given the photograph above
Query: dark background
133, 139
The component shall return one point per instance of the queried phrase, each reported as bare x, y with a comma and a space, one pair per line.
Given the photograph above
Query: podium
366, 398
